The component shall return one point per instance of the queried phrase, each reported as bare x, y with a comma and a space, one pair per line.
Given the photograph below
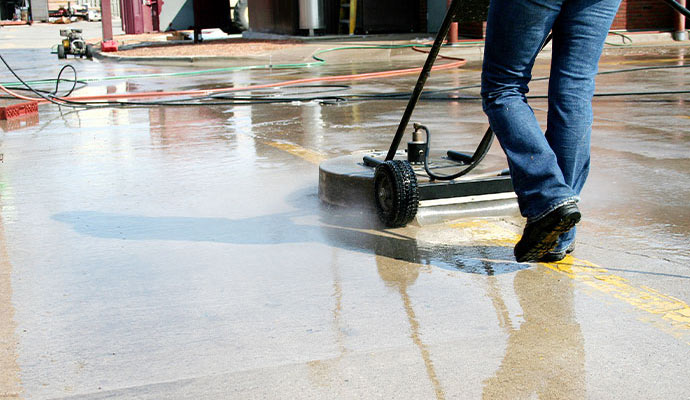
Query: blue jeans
548, 169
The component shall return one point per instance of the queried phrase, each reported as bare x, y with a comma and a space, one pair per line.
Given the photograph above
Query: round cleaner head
347, 182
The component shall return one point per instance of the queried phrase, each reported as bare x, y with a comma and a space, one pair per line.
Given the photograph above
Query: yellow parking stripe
673, 312
645, 61
667, 313
311, 156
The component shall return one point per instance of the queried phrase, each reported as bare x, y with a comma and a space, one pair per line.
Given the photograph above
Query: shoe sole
552, 257
549, 240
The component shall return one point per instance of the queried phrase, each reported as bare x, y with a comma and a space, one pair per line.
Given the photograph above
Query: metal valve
417, 147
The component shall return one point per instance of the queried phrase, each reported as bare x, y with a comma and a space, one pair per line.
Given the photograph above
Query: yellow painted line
311, 156
667, 313
673, 314
645, 61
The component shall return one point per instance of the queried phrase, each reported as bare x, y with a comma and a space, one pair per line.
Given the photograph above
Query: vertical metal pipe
679, 32
106, 20
155, 15
353, 17
311, 15
423, 76
453, 34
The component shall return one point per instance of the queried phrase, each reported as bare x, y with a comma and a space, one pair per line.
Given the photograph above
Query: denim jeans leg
579, 33
515, 31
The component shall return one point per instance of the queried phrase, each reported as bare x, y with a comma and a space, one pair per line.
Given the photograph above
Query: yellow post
353, 16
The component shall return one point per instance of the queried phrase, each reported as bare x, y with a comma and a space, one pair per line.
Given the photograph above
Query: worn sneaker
541, 236
556, 256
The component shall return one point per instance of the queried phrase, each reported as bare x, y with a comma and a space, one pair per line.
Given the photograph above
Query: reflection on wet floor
10, 383
401, 275
545, 353
545, 356
23, 122
191, 239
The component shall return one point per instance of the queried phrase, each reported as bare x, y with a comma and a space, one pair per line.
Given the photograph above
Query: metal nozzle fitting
417, 147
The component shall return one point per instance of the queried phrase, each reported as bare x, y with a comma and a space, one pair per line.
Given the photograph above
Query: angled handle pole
423, 76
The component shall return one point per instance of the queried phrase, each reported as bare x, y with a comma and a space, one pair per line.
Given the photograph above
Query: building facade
388, 16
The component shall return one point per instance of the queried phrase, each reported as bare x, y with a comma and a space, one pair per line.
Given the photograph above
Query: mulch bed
222, 47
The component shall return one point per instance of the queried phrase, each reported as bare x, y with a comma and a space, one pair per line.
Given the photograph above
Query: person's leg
579, 33
515, 31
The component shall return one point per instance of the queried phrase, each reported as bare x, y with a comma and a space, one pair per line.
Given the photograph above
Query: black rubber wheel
89, 51
61, 52
395, 193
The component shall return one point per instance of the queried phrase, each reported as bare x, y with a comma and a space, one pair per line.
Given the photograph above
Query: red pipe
106, 20
680, 33
453, 33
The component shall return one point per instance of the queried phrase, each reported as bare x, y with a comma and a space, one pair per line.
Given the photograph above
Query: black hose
49, 98
477, 157
676, 6
57, 81
76, 84
189, 103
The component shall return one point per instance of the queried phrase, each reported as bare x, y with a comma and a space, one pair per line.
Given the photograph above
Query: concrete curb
300, 55
185, 60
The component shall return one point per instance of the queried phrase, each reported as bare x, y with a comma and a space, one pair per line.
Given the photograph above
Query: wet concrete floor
182, 252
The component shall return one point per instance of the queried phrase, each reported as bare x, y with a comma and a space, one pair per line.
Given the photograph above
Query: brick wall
643, 15
632, 15
421, 21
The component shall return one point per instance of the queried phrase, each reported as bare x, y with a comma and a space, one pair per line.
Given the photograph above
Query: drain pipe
680, 32
107, 44
106, 20
453, 33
